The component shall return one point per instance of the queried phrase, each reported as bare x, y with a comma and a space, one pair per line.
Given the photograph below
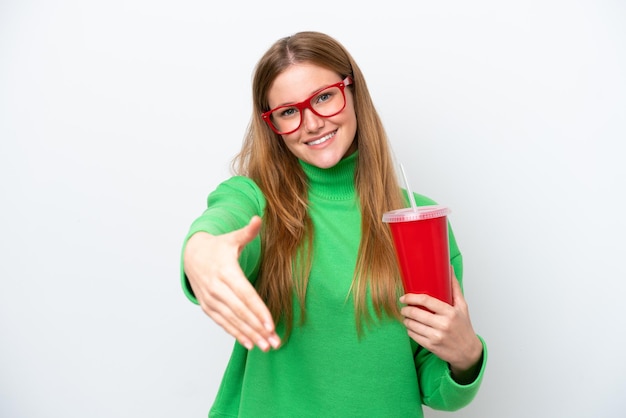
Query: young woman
292, 259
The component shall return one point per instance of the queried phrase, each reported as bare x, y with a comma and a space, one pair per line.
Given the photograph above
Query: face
319, 141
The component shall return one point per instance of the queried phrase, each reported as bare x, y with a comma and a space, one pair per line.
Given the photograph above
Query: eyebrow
307, 97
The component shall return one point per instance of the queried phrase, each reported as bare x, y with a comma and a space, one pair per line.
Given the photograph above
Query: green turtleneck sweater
325, 370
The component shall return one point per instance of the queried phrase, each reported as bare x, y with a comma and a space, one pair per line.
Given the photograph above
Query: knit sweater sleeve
229, 207
439, 390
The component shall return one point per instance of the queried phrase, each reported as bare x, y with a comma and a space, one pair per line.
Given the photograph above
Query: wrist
466, 370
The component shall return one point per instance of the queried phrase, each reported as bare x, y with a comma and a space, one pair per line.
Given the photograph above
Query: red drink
420, 239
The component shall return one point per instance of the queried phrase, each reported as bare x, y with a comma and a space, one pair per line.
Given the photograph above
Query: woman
292, 259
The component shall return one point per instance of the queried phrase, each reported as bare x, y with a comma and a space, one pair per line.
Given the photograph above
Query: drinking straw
408, 190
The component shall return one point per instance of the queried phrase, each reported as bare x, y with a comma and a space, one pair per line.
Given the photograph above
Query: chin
325, 161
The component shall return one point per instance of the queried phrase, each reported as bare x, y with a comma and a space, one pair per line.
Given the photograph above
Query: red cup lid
422, 212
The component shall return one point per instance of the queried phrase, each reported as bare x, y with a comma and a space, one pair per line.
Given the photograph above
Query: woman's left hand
445, 331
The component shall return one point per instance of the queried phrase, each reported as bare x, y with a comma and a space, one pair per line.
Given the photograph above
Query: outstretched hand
211, 263
446, 330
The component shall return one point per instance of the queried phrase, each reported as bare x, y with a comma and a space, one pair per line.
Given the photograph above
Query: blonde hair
287, 229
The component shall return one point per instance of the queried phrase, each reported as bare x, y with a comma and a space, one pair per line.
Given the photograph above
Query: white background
117, 118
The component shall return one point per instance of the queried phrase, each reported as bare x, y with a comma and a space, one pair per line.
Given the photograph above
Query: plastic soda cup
420, 238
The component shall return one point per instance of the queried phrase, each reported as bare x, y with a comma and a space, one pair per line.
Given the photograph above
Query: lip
331, 136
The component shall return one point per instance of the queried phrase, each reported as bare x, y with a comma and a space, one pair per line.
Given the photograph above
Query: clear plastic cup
420, 238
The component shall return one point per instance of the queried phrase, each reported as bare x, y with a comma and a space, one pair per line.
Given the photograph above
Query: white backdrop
118, 117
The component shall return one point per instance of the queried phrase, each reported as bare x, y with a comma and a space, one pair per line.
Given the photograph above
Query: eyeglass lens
327, 102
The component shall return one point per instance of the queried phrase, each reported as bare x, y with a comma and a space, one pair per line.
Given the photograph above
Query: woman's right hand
211, 263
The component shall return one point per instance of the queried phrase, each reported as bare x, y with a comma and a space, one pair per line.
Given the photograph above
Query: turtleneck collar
334, 183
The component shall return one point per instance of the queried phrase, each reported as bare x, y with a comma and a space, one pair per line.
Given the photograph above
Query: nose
311, 122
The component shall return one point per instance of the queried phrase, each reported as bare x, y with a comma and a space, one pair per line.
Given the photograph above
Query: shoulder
240, 183
422, 200
238, 188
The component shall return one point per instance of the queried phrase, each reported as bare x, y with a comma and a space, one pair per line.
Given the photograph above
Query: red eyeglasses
326, 102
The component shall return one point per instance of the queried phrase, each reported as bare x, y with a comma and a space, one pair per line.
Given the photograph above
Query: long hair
287, 231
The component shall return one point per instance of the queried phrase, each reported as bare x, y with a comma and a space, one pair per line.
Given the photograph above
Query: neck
334, 183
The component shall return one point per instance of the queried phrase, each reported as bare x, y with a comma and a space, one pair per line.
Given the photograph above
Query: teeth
322, 139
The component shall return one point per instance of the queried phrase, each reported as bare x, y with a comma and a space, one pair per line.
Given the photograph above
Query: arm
445, 331
220, 258
450, 358
439, 389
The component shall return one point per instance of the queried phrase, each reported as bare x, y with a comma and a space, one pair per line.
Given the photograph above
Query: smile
322, 139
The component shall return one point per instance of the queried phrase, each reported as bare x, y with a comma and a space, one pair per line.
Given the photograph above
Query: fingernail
263, 345
274, 341
269, 326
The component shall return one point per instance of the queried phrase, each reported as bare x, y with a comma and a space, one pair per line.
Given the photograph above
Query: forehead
298, 81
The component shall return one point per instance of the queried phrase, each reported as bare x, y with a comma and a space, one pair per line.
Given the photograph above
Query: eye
323, 97
287, 112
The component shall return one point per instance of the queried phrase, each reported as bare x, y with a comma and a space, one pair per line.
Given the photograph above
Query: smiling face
319, 141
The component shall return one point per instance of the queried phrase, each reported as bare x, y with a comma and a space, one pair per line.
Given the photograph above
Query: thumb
457, 293
248, 232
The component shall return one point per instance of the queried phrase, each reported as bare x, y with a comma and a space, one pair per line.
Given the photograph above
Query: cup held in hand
420, 238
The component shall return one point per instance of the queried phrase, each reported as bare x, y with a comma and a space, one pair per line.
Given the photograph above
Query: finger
249, 297
426, 336
242, 332
421, 340
246, 234
416, 327
457, 293
425, 301
229, 328
249, 307
234, 325
416, 316
241, 319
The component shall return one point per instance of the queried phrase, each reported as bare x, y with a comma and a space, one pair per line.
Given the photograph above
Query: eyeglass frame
306, 104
